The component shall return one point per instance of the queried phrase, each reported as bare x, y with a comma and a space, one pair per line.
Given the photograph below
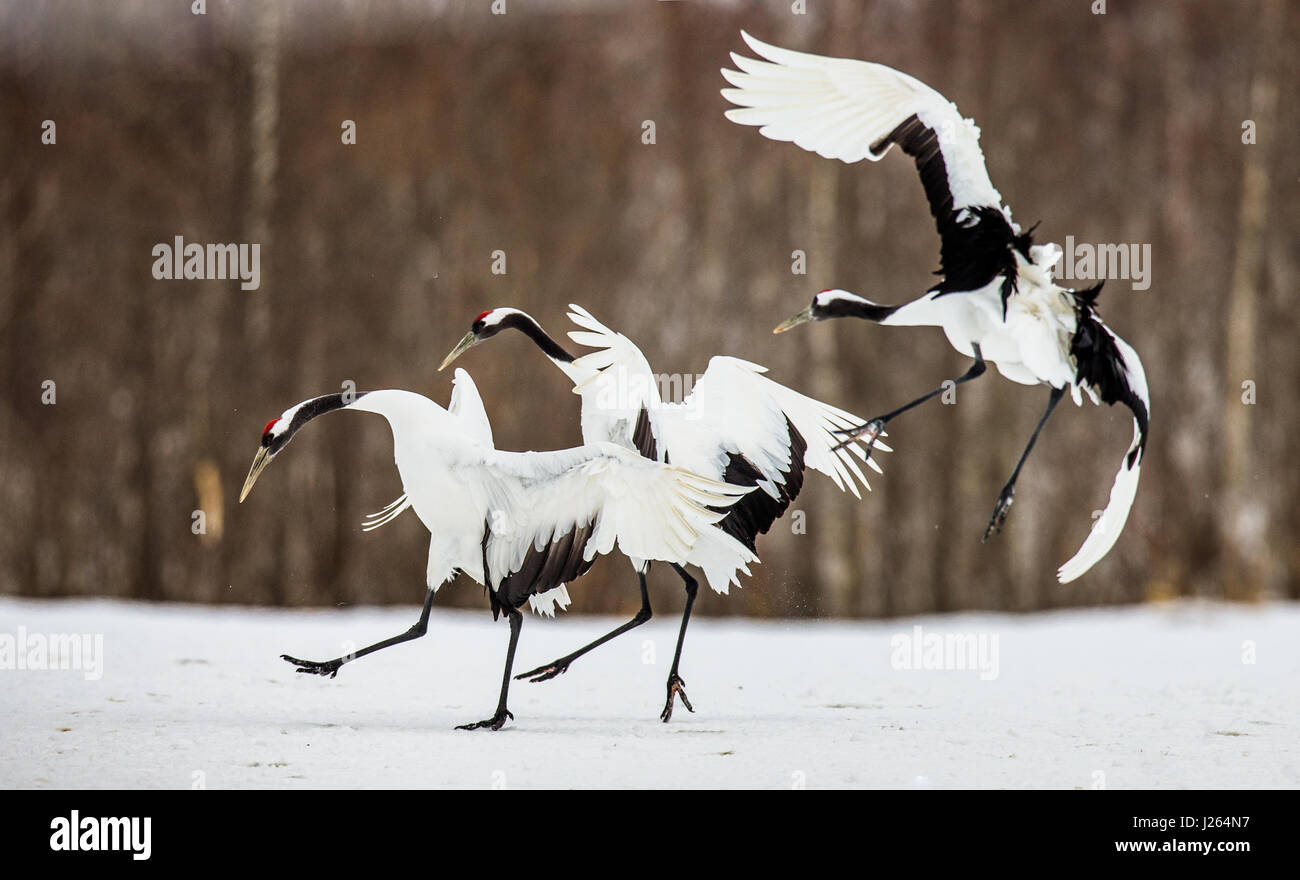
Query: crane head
838, 303
812, 313
274, 436
278, 432
485, 326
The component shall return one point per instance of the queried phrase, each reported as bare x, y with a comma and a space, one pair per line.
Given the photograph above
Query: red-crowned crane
997, 300
736, 426
523, 524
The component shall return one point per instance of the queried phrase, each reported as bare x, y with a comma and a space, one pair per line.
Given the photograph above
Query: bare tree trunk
266, 153
829, 524
1245, 560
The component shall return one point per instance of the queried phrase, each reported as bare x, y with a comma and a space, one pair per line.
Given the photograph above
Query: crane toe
999, 514
870, 430
328, 668
545, 673
676, 688
496, 722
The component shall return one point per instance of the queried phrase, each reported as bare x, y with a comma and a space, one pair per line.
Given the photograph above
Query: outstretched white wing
467, 405
620, 401
736, 426
850, 110
1106, 530
734, 409
551, 513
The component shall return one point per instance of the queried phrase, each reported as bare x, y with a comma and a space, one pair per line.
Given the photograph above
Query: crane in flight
996, 300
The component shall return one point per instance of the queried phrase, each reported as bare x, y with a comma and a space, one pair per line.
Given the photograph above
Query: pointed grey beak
466, 343
260, 461
802, 318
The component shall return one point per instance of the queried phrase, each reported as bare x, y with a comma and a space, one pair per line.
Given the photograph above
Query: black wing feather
558, 562
980, 245
1100, 363
754, 514
643, 437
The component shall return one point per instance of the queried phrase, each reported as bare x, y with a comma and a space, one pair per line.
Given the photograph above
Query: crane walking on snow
736, 426
523, 524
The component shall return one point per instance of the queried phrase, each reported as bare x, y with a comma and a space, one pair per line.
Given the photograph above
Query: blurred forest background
523, 133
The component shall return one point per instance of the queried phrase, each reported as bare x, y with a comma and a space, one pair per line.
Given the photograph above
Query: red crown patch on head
482, 316
270, 425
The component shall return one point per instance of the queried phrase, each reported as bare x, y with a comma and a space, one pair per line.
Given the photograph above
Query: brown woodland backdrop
523, 132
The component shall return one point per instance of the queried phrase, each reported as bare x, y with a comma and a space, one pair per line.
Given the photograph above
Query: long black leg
874, 427
499, 719
677, 687
331, 667
556, 667
1003, 506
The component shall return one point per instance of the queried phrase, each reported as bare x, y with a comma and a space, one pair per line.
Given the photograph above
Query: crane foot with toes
871, 430
676, 688
545, 673
496, 722
999, 514
328, 668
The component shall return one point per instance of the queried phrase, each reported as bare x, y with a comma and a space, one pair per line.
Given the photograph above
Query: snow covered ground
1178, 696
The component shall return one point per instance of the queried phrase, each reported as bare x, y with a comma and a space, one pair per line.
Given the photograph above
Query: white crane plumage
736, 425
523, 524
997, 300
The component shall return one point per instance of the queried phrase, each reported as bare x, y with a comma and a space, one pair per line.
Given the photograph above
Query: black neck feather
534, 331
848, 308
317, 406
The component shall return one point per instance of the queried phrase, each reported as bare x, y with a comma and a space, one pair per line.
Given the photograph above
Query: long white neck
400, 407
418, 424
922, 312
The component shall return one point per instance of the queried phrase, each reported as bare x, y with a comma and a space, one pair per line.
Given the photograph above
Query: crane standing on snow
523, 524
736, 426
997, 300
